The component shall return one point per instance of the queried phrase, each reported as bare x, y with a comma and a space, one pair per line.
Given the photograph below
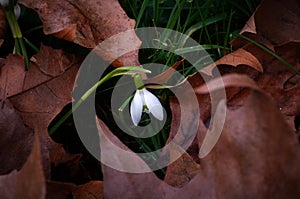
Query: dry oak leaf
257, 156
47, 58
39, 98
276, 26
90, 190
236, 58
88, 23
274, 22
59, 190
278, 80
250, 158
29, 182
181, 171
15, 141
241, 57
278, 21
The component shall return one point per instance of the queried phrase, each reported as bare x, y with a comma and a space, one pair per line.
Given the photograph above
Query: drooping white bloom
145, 100
17, 11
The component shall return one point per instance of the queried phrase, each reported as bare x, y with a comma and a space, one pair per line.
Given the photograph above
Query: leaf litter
256, 156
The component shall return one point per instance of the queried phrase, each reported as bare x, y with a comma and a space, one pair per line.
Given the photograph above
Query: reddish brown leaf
254, 149
15, 141
228, 81
12, 76
29, 182
181, 171
282, 17
250, 26
276, 76
47, 58
118, 184
273, 23
236, 58
90, 190
39, 97
278, 21
251, 155
3, 27
241, 57
57, 190
88, 23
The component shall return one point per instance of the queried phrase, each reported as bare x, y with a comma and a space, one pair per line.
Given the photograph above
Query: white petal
17, 11
136, 107
153, 105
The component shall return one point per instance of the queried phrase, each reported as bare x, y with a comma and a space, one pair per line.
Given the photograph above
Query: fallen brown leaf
276, 24
90, 190
257, 156
29, 182
58, 190
3, 27
276, 76
15, 141
273, 23
12, 76
39, 97
250, 26
240, 57
181, 171
249, 142
48, 57
278, 21
88, 23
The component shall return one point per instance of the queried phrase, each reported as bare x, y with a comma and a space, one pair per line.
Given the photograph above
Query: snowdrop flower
17, 11
144, 101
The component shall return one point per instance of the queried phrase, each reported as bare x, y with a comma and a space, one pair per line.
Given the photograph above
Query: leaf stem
17, 34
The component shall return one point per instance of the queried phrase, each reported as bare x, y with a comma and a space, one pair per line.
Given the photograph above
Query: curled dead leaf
181, 171
90, 190
247, 155
88, 23
15, 141
39, 98
249, 26
47, 57
241, 57
273, 23
272, 17
29, 182
229, 80
59, 190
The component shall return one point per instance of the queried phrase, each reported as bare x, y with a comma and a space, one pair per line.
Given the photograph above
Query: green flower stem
17, 34
116, 72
